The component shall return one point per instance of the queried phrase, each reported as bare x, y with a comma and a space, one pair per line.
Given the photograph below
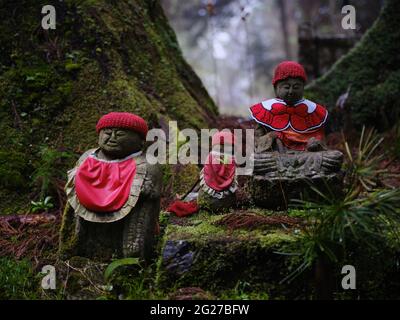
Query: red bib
104, 186
277, 115
298, 141
218, 175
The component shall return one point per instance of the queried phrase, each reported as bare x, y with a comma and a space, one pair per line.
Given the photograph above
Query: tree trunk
285, 26
371, 68
103, 56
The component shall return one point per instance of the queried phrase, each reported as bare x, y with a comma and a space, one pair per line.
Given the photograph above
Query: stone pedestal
277, 193
197, 252
280, 178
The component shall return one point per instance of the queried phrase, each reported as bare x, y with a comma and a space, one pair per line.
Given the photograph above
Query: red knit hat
124, 120
223, 137
288, 69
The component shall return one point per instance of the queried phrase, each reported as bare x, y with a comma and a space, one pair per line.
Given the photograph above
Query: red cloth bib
298, 141
183, 209
103, 186
277, 115
218, 175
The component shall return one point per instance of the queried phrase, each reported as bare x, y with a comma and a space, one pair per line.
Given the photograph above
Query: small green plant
42, 205
132, 285
363, 166
364, 217
49, 172
242, 291
395, 141
335, 224
17, 280
119, 263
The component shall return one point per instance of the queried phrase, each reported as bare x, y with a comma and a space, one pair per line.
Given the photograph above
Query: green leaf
47, 200
118, 263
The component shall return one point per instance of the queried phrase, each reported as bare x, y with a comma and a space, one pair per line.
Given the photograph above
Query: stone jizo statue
113, 194
218, 182
289, 139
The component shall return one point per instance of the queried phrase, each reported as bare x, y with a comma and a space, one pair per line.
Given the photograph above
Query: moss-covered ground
206, 260
226, 262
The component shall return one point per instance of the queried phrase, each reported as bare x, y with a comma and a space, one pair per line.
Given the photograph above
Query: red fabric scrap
182, 208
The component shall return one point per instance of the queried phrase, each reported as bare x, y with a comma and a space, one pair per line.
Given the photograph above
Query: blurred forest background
233, 45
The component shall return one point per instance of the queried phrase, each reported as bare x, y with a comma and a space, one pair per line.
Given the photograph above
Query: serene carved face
290, 90
117, 143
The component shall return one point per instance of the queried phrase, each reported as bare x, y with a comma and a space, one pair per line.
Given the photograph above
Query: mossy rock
198, 253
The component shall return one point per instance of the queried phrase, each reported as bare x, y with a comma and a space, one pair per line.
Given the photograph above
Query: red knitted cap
124, 120
223, 137
288, 69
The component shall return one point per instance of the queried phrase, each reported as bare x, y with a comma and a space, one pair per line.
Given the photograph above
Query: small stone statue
218, 182
289, 140
113, 194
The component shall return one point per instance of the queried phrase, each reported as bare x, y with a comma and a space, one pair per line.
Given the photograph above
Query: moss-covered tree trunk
54, 84
370, 72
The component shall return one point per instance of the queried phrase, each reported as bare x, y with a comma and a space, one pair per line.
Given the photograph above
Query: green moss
104, 56
223, 257
201, 228
205, 203
275, 239
244, 264
68, 238
13, 169
184, 177
297, 213
243, 291
371, 70
17, 280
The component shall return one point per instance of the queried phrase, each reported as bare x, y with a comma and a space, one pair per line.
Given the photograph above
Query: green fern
363, 166
334, 223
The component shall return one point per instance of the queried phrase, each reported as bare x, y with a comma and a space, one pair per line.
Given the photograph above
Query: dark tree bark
103, 56
371, 72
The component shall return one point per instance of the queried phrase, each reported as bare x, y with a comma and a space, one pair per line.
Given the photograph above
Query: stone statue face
117, 143
290, 90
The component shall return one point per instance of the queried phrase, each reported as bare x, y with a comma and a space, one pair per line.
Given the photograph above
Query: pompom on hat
223, 137
289, 69
124, 120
